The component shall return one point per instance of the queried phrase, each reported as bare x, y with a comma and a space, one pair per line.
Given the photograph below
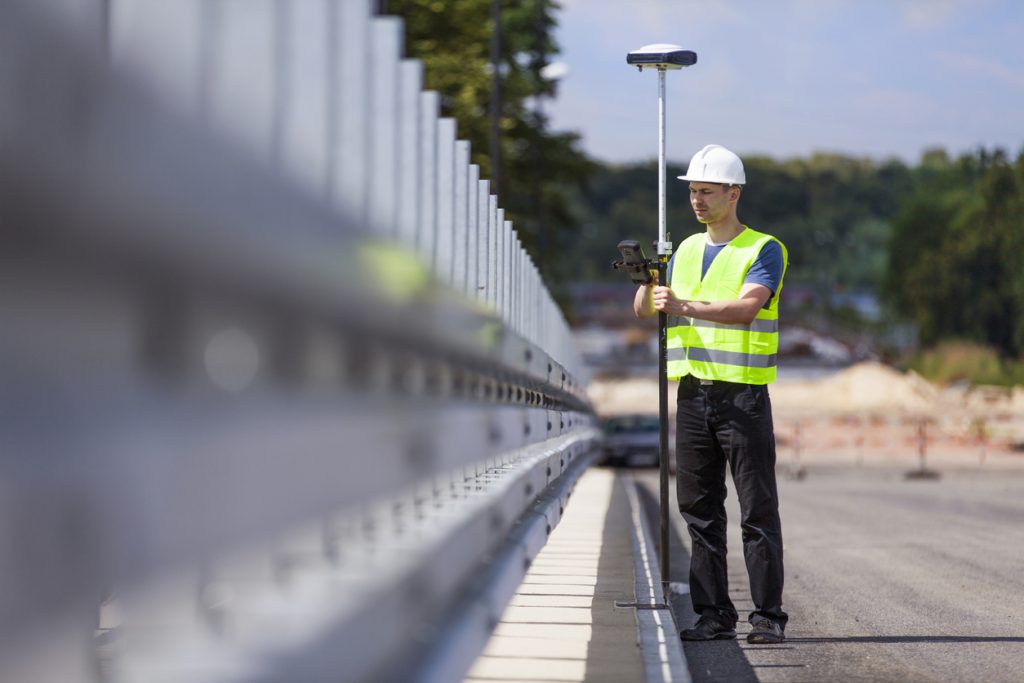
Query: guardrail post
280, 79
409, 166
513, 275
506, 265
91, 19
472, 231
430, 104
303, 142
516, 283
501, 263
245, 77
351, 104
446, 132
180, 63
520, 286
484, 223
460, 228
492, 250
385, 49
533, 298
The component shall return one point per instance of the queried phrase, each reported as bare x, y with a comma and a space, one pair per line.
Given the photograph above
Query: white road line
671, 662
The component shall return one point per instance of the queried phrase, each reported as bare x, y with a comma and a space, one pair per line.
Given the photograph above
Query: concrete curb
661, 651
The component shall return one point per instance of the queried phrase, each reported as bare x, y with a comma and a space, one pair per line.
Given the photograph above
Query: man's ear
734, 192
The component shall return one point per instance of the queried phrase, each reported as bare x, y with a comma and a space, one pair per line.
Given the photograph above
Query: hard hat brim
716, 182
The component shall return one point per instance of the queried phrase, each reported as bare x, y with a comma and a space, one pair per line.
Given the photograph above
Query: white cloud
890, 106
980, 67
617, 25
924, 15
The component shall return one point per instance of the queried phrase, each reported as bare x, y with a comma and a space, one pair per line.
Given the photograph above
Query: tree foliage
832, 212
955, 266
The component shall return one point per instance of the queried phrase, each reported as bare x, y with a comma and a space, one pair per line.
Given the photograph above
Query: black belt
690, 379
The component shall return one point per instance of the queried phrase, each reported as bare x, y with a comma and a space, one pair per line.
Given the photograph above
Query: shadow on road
910, 639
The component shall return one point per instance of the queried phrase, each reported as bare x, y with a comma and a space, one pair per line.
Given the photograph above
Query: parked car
630, 440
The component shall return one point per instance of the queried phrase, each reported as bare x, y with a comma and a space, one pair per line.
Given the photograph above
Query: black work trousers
730, 424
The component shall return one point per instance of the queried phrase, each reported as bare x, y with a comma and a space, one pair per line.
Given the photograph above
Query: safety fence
283, 398
918, 442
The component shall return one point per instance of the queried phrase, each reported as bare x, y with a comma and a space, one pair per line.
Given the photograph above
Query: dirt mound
867, 387
632, 395
868, 410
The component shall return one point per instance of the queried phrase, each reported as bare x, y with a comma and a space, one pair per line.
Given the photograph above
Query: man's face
710, 201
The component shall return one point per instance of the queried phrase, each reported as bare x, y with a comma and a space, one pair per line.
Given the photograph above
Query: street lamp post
663, 58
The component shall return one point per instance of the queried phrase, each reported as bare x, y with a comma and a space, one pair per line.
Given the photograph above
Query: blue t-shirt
765, 270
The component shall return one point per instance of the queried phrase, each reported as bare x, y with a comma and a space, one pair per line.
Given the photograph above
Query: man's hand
667, 302
643, 306
741, 311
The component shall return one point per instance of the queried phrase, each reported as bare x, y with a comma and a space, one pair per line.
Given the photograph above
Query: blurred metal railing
280, 387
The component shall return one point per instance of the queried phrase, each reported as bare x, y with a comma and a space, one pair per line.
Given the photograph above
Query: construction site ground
865, 414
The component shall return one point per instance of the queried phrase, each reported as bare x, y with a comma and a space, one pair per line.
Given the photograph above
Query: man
722, 307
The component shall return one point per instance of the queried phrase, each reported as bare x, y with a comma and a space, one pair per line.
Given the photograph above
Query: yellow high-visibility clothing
707, 350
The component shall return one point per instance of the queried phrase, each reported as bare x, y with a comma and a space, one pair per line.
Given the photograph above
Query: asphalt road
886, 579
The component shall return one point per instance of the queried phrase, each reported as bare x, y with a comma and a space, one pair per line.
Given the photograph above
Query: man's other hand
665, 301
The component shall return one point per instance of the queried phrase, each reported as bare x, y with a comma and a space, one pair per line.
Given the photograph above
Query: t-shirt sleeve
767, 268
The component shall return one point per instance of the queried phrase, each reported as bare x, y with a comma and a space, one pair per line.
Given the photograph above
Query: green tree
1012, 225
833, 213
955, 256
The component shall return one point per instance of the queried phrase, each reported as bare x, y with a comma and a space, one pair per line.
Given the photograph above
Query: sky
789, 78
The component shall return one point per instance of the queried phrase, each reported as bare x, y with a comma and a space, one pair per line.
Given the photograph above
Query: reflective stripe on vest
752, 360
758, 325
735, 353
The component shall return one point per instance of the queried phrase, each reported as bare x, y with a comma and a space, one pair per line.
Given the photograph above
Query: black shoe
766, 631
708, 629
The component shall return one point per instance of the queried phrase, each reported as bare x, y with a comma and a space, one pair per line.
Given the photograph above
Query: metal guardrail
293, 405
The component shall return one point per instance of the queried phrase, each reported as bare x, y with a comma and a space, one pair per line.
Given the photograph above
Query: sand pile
993, 401
865, 388
629, 395
866, 393
870, 388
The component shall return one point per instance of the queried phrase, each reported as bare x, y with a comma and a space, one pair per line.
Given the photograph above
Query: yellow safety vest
707, 350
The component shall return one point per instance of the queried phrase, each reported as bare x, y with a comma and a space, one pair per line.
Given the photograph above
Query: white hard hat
715, 164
